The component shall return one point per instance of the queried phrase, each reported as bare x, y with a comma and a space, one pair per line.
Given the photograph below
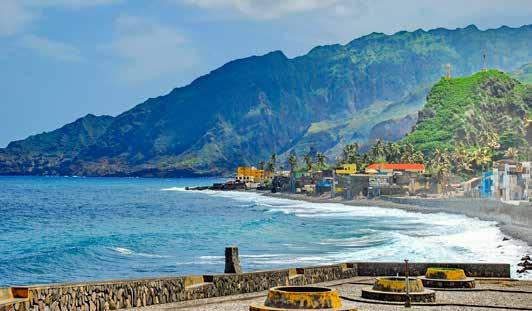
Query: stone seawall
486, 209
488, 270
111, 295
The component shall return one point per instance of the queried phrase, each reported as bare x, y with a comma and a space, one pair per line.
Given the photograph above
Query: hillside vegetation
467, 111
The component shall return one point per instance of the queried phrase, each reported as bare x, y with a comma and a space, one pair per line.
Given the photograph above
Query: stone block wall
491, 270
111, 295
101, 296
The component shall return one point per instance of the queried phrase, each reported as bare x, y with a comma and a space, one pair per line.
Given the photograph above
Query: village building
250, 174
511, 180
391, 168
346, 169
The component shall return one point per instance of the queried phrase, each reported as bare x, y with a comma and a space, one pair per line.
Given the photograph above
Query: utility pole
408, 301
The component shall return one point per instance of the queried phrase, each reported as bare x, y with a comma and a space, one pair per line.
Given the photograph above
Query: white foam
437, 237
174, 189
129, 252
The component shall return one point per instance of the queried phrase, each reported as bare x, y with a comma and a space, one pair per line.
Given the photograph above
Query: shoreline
513, 231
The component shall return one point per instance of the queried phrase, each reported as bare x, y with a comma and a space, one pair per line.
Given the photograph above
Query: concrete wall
486, 209
110, 295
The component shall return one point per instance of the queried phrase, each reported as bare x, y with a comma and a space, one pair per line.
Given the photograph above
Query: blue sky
62, 59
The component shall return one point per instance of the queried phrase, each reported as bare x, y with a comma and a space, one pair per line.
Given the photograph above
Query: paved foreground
489, 295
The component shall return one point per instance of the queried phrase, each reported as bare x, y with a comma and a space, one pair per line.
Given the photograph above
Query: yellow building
252, 174
346, 169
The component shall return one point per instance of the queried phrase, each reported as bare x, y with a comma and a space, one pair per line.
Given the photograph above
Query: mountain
466, 109
524, 73
52, 153
243, 111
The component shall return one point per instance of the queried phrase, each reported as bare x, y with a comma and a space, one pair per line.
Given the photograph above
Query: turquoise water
61, 229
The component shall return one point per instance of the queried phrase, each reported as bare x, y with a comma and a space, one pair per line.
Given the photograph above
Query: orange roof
398, 166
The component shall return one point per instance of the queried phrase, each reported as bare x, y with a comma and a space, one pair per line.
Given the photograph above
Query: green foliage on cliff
464, 111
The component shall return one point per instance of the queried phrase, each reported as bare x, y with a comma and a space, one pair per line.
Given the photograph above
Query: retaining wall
110, 295
486, 209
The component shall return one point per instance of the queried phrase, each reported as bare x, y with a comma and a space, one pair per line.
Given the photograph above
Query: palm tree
292, 161
392, 152
308, 161
377, 151
511, 153
441, 166
407, 152
350, 153
461, 159
481, 157
491, 140
320, 159
273, 161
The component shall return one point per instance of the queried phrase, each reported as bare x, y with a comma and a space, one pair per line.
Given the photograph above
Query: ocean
66, 229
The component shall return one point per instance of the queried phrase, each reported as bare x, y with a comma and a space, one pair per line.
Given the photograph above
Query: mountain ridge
248, 108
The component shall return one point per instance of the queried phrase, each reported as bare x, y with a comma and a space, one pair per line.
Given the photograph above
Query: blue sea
65, 229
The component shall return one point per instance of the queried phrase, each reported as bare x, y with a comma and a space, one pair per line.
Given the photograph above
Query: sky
63, 59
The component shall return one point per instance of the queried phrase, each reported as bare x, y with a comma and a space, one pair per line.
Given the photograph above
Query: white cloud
268, 9
14, 17
50, 48
149, 49
71, 4
17, 15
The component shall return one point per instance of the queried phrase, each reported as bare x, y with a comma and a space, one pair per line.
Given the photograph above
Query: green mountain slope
466, 109
243, 111
53, 152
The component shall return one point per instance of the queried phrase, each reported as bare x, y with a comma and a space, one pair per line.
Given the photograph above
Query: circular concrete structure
394, 289
447, 278
300, 298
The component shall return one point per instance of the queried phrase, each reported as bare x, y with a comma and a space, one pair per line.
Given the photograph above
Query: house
391, 168
511, 180
247, 174
346, 169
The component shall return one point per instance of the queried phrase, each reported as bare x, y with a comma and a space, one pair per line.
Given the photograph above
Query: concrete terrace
490, 294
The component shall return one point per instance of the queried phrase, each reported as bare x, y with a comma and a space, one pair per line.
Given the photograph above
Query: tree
511, 153
320, 159
392, 152
273, 162
292, 161
308, 161
481, 157
262, 165
491, 140
461, 160
441, 166
350, 153
377, 152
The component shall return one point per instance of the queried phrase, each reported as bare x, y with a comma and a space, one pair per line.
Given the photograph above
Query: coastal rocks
525, 264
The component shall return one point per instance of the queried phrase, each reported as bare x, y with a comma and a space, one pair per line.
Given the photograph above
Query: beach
515, 227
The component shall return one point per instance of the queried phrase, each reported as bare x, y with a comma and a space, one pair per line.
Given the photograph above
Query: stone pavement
489, 295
